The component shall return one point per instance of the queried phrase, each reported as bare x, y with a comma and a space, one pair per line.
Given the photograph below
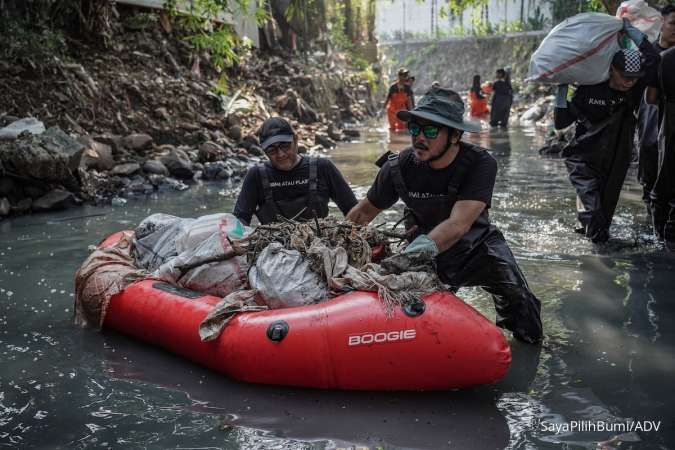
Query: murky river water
608, 361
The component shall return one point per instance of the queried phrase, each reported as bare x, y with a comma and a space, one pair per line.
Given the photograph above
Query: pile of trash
151, 112
278, 265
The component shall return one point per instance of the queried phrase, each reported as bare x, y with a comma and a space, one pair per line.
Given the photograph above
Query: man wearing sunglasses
446, 185
289, 185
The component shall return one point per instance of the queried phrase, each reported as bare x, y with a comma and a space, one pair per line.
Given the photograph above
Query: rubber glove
633, 33
561, 96
422, 245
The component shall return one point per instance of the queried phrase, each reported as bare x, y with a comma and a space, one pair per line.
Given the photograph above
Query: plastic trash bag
641, 16
203, 227
155, 239
210, 267
578, 50
30, 124
283, 278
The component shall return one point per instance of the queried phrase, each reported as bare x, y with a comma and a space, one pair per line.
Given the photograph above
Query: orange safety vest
397, 102
479, 106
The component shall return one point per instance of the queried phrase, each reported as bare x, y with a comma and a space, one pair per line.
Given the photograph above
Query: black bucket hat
443, 107
273, 130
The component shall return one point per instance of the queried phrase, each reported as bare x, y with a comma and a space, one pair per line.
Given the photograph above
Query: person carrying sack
598, 157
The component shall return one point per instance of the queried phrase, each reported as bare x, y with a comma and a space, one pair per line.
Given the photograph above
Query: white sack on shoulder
578, 50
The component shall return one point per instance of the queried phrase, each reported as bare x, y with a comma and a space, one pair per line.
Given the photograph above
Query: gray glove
422, 245
633, 33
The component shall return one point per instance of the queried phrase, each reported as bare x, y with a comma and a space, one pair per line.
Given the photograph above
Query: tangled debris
357, 240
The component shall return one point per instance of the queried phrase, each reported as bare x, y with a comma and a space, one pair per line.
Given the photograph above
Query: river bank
150, 112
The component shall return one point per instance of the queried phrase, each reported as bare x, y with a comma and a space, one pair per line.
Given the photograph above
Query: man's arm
563, 115
386, 101
464, 213
247, 200
363, 213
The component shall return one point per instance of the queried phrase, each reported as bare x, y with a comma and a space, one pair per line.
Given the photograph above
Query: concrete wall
414, 16
453, 62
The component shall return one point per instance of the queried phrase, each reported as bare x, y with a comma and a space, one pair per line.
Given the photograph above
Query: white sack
203, 227
218, 278
578, 50
641, 16
283, 278
155, 239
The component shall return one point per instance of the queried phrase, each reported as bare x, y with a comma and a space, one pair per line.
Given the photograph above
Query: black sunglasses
280, 147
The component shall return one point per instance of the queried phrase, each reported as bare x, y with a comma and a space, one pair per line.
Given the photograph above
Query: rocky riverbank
150, 111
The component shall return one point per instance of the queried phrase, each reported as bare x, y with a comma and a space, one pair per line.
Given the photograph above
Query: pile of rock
53, 170
534, 105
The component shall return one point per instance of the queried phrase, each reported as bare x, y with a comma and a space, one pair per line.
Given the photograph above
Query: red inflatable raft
344, 343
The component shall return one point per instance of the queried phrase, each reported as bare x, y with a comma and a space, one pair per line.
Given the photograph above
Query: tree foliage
457, 7
203, 20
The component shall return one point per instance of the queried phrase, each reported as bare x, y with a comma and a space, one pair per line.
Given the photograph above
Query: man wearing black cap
290, 185
446, 185
598, 157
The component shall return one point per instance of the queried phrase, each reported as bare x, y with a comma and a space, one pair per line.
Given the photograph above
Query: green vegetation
25, 42
203, 24
37, 30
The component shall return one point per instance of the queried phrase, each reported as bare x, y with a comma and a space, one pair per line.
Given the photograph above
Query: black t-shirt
289, 185
422, 181
597, 102
501, 87
594, 103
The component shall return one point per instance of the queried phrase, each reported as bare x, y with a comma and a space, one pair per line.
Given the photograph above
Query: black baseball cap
273, 130
628, 63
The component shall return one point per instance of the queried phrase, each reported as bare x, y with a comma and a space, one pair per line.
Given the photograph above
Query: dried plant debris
357, 240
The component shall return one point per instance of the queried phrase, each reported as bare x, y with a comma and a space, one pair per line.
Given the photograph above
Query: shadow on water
428, 420
607, 359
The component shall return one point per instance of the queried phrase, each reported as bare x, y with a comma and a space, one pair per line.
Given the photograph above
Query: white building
415, 18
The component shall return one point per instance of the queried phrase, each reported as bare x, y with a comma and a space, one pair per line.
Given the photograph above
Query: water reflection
624, 344
400, 420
